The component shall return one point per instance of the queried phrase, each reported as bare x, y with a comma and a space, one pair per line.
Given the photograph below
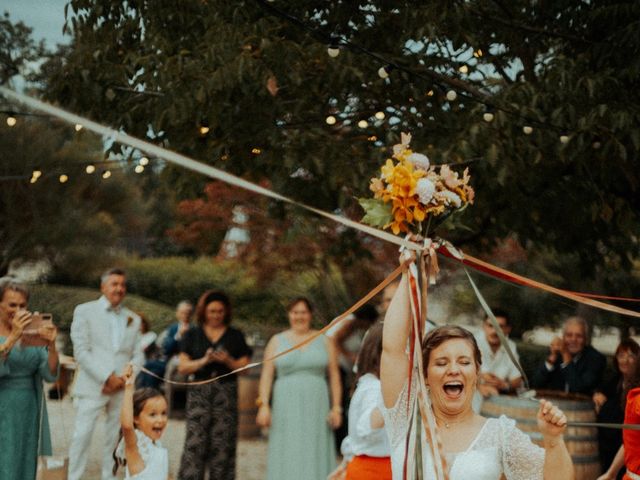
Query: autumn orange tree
277, 240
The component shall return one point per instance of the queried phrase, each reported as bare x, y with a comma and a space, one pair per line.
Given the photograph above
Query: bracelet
337, 408
260, 403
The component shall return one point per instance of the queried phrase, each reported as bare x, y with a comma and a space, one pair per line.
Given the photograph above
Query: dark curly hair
212, 296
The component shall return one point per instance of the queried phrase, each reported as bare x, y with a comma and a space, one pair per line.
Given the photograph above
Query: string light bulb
331, 120
106, 174
596, 145
451, 95
256, 151
139, 169
90, 169
78, 127
63, 178
463, 69
11, 120
363, 124
488, 116
477, 53
527, 129
380, 115
564, 138
333, 51
430, 93
383, 72
35, 175
203, 129
144, 161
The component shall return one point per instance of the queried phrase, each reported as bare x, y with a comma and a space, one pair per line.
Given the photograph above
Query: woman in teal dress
23, 416
304, 408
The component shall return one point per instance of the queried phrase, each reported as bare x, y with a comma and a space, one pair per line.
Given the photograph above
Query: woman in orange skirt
629, 453
366, 449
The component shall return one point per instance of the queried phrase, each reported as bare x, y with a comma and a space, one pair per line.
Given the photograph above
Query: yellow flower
400, 150
387, 170
405, 179
377, 187
419, 212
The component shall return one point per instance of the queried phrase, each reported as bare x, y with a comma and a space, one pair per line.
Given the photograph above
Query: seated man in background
162, 355
173, 334
498, 374
573, 365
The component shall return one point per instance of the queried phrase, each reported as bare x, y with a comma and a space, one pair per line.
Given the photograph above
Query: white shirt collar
104, 303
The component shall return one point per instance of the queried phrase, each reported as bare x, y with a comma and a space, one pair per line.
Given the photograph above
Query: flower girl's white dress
154, 456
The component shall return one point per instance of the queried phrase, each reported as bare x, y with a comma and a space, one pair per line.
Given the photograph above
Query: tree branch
527, 28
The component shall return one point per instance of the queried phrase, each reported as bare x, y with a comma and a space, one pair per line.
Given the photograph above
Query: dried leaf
272, 86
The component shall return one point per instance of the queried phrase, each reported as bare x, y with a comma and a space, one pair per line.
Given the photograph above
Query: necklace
449, 424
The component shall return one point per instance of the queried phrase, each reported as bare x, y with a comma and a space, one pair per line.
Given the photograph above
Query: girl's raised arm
135, 464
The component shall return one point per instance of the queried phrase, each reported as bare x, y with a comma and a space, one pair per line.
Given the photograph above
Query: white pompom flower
425, 190
451, 197
419, 161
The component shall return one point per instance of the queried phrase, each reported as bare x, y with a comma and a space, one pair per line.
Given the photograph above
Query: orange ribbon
447, 250
392, 276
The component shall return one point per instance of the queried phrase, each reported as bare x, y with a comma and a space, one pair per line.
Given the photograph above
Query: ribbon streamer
193, 165
449, 251
496, 326
422, 400
620, 426
390, 278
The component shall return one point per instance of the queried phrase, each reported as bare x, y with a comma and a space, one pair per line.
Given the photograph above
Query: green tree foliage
259, 81
76, 225
17, 49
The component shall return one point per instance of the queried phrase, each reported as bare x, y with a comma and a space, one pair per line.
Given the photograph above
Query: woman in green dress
24, 428
304, 408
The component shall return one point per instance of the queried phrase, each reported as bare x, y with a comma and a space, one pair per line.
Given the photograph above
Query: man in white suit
105, 336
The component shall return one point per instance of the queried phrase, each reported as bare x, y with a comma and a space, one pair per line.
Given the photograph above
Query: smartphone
30, 336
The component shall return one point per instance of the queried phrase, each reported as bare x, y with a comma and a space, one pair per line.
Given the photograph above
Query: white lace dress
499, 448
154, 456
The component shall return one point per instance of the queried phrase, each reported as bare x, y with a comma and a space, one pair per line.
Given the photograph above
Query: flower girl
143, 419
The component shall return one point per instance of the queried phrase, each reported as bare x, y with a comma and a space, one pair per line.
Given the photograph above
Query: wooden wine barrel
582, 442
247, 395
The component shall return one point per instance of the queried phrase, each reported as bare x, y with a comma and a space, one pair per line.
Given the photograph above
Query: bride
473, 446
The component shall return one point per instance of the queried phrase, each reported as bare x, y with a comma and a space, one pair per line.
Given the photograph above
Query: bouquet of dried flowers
410, 192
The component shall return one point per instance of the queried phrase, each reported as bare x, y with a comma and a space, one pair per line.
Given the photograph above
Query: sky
46, 17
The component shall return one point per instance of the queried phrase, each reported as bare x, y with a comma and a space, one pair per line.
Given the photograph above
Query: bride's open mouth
454, 389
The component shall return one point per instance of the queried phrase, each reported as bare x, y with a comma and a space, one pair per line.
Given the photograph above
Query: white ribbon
194, 165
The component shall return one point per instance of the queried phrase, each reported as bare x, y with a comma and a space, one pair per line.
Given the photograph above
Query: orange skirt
363, 467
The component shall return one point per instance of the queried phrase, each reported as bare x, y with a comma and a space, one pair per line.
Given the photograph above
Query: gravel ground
251, 458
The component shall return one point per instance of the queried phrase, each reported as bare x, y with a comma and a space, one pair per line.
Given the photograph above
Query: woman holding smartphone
210, 349
24, 427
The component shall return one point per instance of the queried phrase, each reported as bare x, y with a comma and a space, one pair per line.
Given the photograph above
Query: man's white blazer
93, 345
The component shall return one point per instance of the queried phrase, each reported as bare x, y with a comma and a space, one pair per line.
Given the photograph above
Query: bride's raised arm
394, 363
